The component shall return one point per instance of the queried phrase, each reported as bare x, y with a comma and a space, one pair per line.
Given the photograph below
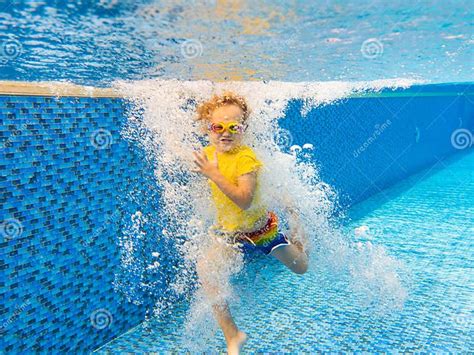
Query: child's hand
204, 166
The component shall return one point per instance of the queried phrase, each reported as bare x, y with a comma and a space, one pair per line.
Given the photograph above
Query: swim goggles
220, 127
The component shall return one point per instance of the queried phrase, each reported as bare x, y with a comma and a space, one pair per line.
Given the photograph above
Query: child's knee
300, 264
301, 268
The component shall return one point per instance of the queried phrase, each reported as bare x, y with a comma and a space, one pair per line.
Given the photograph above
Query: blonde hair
205, 110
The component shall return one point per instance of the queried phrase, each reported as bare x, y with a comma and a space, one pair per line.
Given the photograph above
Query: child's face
226, 141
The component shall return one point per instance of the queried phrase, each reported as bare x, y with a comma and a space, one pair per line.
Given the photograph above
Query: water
424, 221
366, 280
97, 42
373, 285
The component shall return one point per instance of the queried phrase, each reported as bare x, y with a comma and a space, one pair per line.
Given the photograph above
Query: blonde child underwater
243, 222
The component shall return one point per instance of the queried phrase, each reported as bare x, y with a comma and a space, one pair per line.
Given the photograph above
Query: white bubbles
289, 178
295, 149
361, 231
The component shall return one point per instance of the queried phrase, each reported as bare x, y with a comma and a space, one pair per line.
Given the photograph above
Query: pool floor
426, 221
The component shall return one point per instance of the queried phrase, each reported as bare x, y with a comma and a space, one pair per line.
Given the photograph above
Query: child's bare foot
235, 344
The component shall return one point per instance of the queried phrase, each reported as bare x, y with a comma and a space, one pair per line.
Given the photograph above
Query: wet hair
205, 110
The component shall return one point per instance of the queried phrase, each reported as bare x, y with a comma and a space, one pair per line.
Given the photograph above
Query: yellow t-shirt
240, 161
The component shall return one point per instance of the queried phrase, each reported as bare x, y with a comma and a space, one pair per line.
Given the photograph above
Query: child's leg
209, 268
233, 336
293, 257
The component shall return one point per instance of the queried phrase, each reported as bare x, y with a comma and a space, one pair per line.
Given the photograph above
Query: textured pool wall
72, 190
363, 145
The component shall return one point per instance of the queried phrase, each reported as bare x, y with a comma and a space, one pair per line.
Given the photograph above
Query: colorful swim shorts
265, 239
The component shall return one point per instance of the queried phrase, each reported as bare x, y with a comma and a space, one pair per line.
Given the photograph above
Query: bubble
295, 149
186, 203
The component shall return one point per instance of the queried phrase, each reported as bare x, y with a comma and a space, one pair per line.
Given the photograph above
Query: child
242, 220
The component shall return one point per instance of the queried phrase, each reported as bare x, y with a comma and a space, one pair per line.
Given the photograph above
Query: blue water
425, 221
99, 41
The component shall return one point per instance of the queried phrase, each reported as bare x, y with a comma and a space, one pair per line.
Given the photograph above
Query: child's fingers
197, 158
201, 157
198, 163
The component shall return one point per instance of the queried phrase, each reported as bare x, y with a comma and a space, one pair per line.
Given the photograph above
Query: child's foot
235, 344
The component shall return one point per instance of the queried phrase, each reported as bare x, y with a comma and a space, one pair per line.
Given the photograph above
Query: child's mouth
225, 140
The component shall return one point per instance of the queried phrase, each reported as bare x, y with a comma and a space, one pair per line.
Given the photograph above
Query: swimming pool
287, 313
64, 173
375, 137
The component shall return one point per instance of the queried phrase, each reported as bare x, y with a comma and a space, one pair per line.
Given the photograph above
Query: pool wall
72, 189
364, 144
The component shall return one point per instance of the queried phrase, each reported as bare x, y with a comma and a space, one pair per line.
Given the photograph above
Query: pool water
97, 42
424, 221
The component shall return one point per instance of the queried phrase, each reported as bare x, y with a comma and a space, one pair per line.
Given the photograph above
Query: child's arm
241, 194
